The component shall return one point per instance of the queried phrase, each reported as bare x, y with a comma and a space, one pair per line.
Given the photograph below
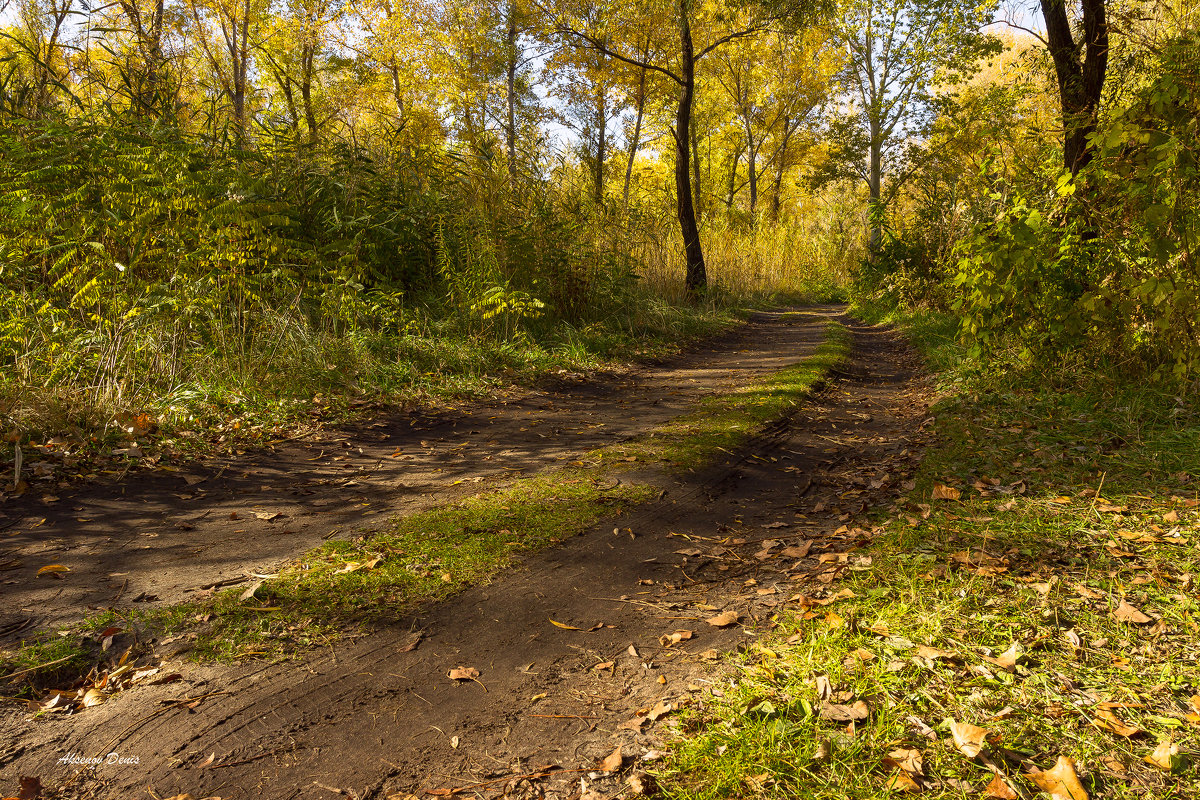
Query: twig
16, 675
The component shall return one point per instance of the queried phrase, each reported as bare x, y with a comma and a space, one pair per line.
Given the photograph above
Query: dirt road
379, 717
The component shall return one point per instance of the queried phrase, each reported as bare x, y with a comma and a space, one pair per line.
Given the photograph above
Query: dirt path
160, 536
379, 718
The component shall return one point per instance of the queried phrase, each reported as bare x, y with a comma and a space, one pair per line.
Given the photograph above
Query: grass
723, 422
1077, 501
347, 585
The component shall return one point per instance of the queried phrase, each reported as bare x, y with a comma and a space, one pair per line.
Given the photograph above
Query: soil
379, 717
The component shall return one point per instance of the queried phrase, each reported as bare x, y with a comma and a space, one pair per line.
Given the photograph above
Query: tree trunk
780, 166
875, 184
696, 279
637, 135
1080, 71
307, 58
510, 88
601, 142
751, 168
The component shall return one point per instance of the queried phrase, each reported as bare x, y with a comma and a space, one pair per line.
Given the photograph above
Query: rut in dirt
163, 536
380, 718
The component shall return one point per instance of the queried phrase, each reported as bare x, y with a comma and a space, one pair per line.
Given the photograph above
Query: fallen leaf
1165, 756
968, 738
564, 626
1127, 613
1171, 516
661, 710
723, 620
53, 569
612, 762
1009, 658
908, 760
1111, 509
837, 712
268, 516
604, 665
1060, 782
934, 653
668, 639
943, 492
641, 784
463, 674
901, 781
93, 697
1108, 721
250, 591
999, 789
798, 550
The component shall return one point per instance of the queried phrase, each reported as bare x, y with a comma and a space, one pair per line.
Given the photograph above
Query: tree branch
729, 38
600, 47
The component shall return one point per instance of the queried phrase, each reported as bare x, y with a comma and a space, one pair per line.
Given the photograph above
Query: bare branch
1030, 31
729, 38
599, 46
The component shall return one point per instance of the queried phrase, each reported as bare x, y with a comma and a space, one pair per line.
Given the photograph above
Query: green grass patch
721, 423
1072, 547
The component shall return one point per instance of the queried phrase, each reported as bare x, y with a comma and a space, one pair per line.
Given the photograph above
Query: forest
222, 207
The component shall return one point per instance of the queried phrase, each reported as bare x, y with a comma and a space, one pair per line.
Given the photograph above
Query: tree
896, 51
1080, 69
729, 25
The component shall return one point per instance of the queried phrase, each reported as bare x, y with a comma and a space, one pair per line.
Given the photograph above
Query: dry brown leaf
564, 626
668, 639
1165, 756
844, 594
93, 697
1108, 721
463, 674
837, 712
54, 570
1060, 781
999, 789
1108, 508
943, 492
659, 711
612, 762
798, 550
901, 781
1009, 658
1127, 613
934, 653
968, 738
268, 516
907, 759
1171, 516
724, 619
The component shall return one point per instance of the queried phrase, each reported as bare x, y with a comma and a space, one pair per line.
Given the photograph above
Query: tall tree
730, 24
1080, 68
895, 51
